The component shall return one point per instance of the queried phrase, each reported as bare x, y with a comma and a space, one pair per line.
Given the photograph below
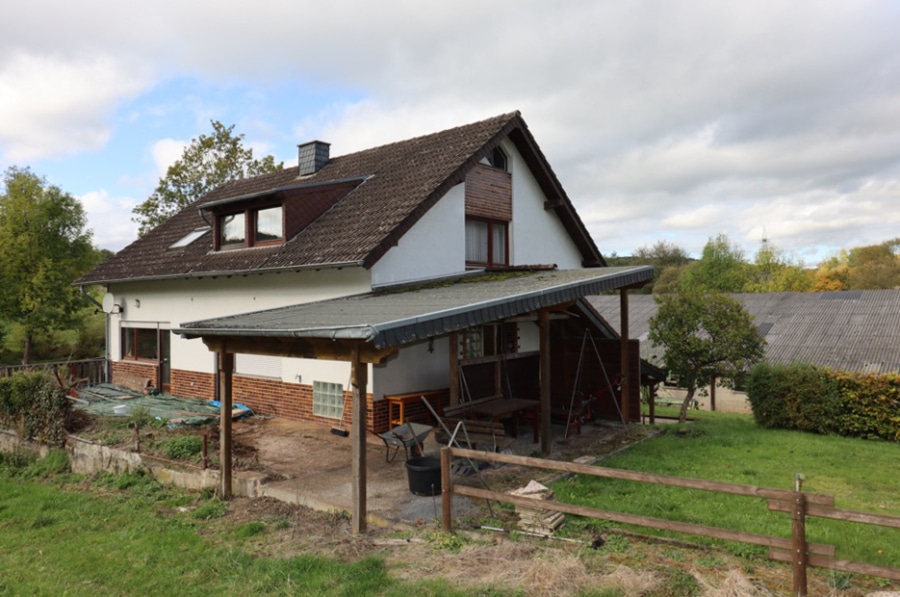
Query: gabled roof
394, 318
857, 330
377, 194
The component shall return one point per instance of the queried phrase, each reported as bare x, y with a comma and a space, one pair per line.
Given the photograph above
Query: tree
44, 247
721, 268
874, 267
665, 257
771, 271
206, 163
704, 336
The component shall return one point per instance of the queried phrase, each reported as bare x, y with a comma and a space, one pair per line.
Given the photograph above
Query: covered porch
370, 329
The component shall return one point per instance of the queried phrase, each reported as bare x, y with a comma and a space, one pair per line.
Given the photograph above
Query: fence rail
92, 371
799, 504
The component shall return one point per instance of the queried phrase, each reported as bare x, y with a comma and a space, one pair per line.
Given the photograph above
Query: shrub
808, 398
182, 447
35, 405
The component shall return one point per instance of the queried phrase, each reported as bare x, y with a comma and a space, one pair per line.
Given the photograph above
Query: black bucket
424, 475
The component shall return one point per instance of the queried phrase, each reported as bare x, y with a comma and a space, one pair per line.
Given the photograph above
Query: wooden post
225, 362
359, 374
453, 339
798, 544
446, 492
652, 404
626, 374
712, 392
544, 323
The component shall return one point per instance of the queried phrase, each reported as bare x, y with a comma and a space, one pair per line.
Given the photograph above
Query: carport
370, 328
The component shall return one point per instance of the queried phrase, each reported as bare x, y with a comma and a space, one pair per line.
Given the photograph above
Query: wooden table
505, 408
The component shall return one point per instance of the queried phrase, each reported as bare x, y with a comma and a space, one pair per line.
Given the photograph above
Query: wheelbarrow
409, 436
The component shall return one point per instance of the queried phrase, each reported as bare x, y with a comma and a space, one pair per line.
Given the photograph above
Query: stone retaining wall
87, 458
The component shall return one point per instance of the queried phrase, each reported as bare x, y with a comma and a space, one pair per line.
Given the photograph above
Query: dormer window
251, 228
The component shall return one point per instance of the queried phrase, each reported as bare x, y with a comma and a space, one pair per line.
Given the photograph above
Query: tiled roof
381, 193
847, 331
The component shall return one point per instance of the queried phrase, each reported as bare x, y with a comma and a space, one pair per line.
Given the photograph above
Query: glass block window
328, 399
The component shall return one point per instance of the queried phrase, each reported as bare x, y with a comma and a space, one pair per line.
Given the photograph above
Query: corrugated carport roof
392, 318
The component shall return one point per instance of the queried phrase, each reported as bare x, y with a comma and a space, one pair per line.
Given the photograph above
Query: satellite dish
109, 302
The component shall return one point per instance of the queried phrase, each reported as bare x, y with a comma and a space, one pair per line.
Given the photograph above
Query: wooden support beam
544, 324
453, 340
306, 348
359, 380
225, 365
623, 313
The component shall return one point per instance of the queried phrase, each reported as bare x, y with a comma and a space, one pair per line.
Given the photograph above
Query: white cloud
674, 120
166, 152
52, 106
114, 213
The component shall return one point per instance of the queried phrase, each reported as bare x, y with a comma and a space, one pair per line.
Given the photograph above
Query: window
251, 228
328, 399
189, 238
486, 242
139, 344
490, 339
497, 159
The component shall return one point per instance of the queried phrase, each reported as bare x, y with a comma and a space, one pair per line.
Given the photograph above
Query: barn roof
855, 330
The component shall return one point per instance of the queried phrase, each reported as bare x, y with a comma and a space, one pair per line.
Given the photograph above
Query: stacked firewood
536, 520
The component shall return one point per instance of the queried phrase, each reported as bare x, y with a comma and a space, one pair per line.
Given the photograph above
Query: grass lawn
102, 540
860, 474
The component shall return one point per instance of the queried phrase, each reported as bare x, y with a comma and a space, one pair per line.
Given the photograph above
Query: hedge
809, 398
35, 406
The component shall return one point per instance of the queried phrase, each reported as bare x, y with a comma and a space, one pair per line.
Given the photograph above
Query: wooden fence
92, 371
799, 504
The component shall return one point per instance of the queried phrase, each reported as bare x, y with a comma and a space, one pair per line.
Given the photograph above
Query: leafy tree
771, 271
44, 247
833, 274
704, 335
209, 161
874, 267
721, 268
664, 257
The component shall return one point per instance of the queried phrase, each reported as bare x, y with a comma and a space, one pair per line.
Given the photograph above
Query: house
853, 331
432, 260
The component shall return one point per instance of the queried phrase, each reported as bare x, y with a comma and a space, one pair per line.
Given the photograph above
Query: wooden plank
598, 471
656, 523
841, 514
825, 561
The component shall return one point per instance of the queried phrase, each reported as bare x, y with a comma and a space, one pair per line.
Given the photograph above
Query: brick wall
489, 193
264, 396
133, 374
193, 384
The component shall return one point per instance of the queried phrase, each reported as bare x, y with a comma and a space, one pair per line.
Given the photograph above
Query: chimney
313, 157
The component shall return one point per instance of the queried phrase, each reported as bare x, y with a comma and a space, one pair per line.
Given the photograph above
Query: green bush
35, 405
804, 397
182, 447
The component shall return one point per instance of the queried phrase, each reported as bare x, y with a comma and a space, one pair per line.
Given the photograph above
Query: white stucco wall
170, 304
536, 236
435, 246
414, 369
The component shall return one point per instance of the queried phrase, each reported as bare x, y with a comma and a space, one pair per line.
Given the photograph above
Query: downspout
91, 299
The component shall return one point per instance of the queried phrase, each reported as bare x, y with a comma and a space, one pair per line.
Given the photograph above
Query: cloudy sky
664, 120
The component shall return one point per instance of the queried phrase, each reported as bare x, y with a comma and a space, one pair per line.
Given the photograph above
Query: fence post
446, 492
798, 544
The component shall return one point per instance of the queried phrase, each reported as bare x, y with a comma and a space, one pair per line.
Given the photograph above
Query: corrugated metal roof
847, 331
393, 318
